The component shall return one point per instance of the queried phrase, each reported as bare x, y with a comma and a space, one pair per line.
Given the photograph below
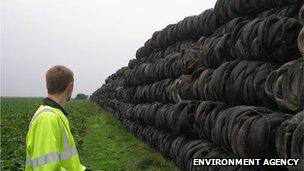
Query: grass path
107, 146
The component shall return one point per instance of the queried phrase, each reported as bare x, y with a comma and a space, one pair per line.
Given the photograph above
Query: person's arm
46, 144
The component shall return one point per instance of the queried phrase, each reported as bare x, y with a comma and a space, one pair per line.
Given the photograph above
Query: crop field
101, 141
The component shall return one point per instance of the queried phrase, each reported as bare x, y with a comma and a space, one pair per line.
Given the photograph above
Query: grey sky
92, 37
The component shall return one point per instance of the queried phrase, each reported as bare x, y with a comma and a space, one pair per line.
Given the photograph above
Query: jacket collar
49, 102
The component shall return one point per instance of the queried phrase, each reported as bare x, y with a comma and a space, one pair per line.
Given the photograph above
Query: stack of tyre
227, 83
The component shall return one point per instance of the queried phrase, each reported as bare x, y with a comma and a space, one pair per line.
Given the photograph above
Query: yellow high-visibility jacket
49, 142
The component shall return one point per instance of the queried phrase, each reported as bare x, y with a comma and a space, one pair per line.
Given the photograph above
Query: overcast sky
92, 37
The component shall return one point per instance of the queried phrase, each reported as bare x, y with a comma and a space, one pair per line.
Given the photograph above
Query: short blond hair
57, 79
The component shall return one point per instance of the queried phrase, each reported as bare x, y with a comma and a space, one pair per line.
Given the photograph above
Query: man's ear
72, 84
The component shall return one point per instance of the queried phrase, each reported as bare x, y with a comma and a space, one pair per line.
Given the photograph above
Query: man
49, 142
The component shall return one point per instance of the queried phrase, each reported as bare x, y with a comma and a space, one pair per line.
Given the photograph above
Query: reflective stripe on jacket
49, 142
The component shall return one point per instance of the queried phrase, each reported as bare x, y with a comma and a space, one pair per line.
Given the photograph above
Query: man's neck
58, 99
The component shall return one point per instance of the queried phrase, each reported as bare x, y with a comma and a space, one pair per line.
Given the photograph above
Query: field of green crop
101, 141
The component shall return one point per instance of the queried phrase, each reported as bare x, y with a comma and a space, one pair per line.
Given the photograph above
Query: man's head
60, 81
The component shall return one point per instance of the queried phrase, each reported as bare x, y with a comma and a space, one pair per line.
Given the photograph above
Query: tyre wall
227, 83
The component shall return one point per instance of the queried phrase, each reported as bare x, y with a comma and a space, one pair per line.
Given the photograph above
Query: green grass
102, 143
107, 146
